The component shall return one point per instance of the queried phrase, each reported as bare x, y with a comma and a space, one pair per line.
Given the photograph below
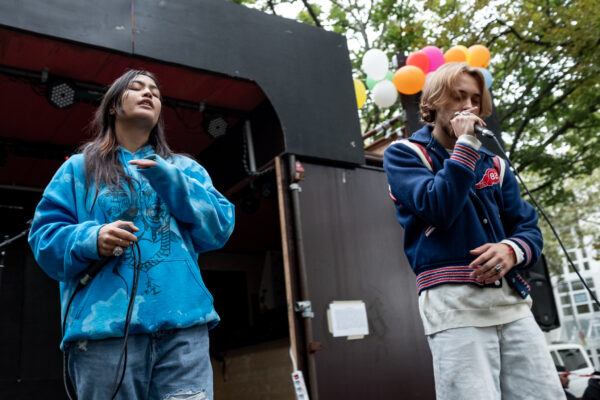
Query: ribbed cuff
469, 140
465, 154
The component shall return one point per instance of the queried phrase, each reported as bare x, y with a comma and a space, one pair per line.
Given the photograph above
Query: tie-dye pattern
179, 213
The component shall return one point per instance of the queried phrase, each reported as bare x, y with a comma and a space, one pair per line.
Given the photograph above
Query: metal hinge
295, 186
305, 308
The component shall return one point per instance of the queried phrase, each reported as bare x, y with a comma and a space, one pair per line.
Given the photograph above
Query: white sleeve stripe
417, 150
502, 170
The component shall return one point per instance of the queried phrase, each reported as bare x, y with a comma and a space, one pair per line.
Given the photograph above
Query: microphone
93, 269
482, 131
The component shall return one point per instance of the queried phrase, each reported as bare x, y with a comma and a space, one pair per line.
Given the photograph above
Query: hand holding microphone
111, 238
464, 122
115, 237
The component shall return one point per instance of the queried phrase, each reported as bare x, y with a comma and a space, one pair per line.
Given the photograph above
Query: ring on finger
498, 268
457, 113
465, 113
117, 251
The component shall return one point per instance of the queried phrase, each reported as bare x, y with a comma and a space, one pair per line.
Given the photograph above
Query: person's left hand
490, 256
143, 163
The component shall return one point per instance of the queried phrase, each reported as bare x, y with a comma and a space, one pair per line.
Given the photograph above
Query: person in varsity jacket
468, 233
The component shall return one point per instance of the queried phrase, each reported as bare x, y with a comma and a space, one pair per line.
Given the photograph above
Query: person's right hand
464, 122
111, 236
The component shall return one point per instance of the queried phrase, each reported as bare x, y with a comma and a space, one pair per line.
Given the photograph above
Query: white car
575, 359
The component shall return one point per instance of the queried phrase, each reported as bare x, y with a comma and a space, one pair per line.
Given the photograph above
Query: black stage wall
304, 71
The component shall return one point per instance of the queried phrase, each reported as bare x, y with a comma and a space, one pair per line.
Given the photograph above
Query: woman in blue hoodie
129, 198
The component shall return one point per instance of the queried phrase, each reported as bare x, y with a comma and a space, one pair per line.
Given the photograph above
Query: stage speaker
544, 306
30, 359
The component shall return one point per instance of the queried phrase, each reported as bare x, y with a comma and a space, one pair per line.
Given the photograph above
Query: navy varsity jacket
455, 204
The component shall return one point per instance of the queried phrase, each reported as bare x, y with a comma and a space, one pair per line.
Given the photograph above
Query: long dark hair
101, 154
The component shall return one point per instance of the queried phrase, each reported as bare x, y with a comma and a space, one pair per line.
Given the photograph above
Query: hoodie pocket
195, 271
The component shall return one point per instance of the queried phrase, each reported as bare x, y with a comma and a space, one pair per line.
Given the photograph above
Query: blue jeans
172, 364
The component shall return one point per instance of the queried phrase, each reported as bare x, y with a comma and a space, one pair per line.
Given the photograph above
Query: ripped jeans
166, 365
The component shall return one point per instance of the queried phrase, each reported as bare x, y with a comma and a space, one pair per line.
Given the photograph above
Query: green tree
545, 61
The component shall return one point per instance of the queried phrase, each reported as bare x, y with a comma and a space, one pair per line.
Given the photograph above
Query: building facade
579, 314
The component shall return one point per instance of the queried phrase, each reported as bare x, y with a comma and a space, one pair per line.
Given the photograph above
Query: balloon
465, 50
385, 94
375, 64
409, 79
436, 57
418, 59
479, 56
361, 93
455, 54
371, 83
489, 79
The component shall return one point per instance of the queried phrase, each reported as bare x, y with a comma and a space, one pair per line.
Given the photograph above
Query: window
577, 285
586, 265
573, 359
580, 297
589, 282
565, 299
555, 358
572, 255
563, 287
567, 311
583, 308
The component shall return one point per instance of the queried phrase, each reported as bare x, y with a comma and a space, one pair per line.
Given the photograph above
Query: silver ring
117, 251
498, 268
465, 113
456, 113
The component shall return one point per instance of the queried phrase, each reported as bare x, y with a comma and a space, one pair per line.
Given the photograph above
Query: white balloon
385, 94
375, 64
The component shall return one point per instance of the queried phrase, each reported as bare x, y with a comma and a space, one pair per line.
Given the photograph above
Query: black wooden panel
304, 71
353, 250
105, 23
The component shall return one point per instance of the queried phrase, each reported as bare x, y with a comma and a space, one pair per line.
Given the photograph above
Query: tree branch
532, 41
312, 13
272, 7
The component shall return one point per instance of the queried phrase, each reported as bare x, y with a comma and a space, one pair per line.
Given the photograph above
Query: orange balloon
455, 54
419, 59
479, 56
409, 79
465, 50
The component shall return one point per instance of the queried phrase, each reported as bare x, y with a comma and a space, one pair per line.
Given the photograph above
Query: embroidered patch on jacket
490, 178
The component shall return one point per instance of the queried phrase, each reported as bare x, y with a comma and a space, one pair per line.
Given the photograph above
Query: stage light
61, 94
215, 125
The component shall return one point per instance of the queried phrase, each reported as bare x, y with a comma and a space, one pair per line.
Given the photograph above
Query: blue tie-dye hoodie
179, 213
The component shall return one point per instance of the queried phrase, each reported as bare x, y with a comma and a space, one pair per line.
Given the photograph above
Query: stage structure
267, 105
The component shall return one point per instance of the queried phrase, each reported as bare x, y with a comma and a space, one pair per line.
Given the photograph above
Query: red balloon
420, 60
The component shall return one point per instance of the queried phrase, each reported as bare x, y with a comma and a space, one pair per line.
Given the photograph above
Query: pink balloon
436, 57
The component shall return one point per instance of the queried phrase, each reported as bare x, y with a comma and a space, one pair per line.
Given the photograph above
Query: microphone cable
490, 134
137, 267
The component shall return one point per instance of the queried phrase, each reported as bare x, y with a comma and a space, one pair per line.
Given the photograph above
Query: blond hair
439, 89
